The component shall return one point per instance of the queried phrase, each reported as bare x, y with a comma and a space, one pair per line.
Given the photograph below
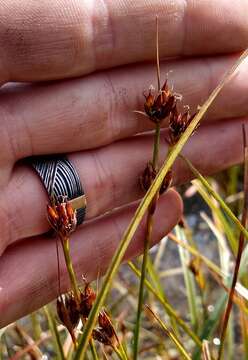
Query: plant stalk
147, 242
66, 249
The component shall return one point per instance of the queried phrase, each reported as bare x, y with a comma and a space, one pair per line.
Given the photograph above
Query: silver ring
61, 180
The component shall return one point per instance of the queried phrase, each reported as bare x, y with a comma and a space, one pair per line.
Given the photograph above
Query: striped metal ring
61, 180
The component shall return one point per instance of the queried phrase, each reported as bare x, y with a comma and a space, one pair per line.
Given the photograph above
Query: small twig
34, 351
46, 336
206, 351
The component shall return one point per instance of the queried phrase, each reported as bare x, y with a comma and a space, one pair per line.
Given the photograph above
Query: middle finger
97, 110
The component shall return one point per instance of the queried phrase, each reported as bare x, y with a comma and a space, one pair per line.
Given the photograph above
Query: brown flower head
106, 324
88, 297
158, 106
147, 177
100, 336
68, 313
105, 333
62, 218
166, 182
178, 123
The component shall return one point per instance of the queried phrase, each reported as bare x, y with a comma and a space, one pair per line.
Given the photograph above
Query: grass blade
240, 250
171, 335
211, 324
167, 307
189, 280
54, 331
216, 196
217, 273
155, 279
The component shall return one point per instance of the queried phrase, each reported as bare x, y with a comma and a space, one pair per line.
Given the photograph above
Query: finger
110, 176
92, 251
94, 111
50, 40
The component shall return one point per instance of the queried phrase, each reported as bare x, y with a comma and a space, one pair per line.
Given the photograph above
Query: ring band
61, 179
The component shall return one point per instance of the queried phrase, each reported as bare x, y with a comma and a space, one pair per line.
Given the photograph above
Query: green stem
123, 351
188, 280
93, 350
66, 249
147, 242
55, 333
119, 353
36, 326
168, 308
172, 336
142, 285
155, 158
73, 280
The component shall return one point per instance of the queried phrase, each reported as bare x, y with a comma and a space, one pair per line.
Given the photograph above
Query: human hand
91, 118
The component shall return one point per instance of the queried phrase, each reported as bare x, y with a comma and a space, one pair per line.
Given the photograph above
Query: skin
102, 53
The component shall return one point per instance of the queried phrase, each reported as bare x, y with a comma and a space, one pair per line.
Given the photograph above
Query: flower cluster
159, 106
62, 218
178, 123
67, 310
87, 299
149, 175
70, 310
105, 333
164, 104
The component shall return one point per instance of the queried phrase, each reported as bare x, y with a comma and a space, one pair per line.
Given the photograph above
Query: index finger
48, 40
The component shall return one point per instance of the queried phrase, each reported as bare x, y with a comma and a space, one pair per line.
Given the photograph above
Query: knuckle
7, 140
7, 230
15, 135
104, 178
113, 124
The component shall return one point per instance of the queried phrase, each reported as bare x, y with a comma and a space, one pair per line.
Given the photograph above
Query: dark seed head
68, 313
166, 183
159, 105
88, 297
106, 324
105, 333
147, 177
62, 218
178, 123
100, 336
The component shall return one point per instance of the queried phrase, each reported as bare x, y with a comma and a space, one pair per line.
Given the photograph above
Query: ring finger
110, 176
